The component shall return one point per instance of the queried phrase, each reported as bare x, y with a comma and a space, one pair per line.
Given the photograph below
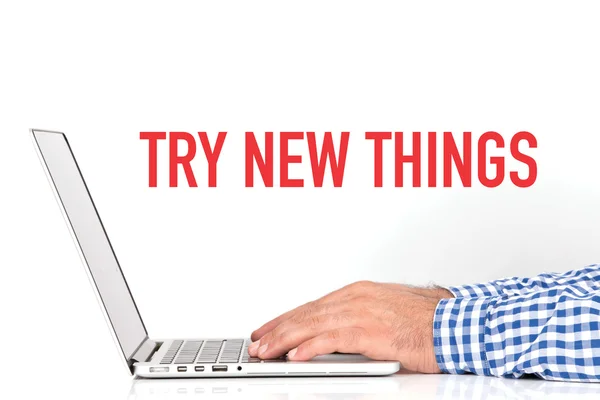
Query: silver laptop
167, 358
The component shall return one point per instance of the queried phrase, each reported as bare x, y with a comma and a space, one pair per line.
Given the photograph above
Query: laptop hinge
144, 352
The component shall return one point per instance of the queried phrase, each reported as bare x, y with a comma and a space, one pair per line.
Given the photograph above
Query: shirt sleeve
554, 334
588, 277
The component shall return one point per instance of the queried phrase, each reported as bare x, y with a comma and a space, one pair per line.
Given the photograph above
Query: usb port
199, 368
181, 369
219, 368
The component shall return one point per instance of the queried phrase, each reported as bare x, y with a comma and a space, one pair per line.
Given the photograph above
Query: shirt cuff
489, 289
459, 335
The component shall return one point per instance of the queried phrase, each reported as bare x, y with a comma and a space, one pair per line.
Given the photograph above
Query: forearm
588, 277
553, 334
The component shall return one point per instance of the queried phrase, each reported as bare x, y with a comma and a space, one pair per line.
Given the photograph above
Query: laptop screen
92, 240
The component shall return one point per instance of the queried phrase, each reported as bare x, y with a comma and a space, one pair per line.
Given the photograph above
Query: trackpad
342, 358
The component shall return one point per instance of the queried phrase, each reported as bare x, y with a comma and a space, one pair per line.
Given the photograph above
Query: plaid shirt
547, 325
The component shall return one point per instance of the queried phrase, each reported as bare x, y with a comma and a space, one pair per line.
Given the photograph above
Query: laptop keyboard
208, 352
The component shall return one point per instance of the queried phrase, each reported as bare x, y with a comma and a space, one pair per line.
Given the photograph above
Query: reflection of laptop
266, 388
161, 358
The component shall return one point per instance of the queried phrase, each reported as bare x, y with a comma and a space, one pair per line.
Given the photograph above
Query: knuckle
322, 308
269, 336
355, 285
306, 348
364, 284
352, 338
284, 337
341, 318
313, 321
299, 316
279, 340
333, 335
310, 306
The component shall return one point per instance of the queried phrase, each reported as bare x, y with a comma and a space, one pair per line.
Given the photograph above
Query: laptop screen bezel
128, 358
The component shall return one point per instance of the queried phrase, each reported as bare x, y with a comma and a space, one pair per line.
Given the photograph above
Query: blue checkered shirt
547, 326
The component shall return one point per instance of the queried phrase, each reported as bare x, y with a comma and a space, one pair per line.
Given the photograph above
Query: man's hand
379, 320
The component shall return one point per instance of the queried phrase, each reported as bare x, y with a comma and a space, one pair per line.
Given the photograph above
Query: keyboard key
232, 350
188, 352
210, 352
171, 352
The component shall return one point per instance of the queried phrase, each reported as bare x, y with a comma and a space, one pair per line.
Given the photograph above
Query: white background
102, 73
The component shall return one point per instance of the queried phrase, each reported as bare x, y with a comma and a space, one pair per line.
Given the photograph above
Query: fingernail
262, 349
253, 348
292, 353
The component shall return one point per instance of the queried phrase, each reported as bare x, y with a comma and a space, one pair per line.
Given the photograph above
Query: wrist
430, 292
441, 293
423, 357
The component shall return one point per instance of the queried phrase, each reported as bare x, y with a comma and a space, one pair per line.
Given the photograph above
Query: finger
269, 326
297, 315
333, 296
349, 340
294, 332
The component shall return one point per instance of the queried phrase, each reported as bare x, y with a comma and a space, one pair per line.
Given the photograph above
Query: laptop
162, 358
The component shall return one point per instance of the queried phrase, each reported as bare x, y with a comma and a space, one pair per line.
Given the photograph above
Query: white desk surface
114, 385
